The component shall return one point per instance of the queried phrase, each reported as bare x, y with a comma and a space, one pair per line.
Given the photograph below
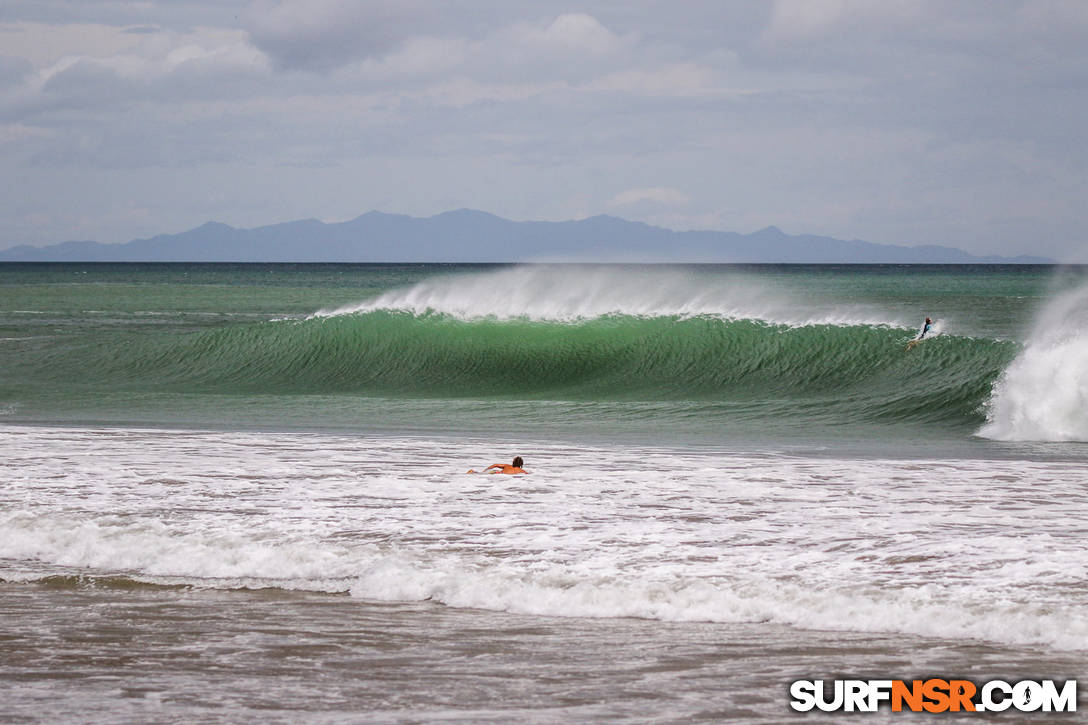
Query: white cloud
513, 62
573, 46
110, 68
43, 43
146, 55
569, 48
418, 57
576, 33
658, 195
797, 19
18, 133
677, 79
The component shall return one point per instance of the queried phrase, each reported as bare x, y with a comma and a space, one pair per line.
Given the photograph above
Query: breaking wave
577, 334
1043, 395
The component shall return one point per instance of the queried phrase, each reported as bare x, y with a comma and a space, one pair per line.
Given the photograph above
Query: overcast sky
895, 121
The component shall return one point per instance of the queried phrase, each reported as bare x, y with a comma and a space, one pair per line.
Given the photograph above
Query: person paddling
509, 468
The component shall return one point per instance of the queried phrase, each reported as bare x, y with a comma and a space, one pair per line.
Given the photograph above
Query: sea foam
156, 554
593, 531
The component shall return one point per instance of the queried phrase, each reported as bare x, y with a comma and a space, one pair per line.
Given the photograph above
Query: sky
894, 121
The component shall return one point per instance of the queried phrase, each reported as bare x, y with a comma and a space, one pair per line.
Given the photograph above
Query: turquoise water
720, 355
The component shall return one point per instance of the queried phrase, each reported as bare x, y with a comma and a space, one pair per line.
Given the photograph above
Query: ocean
238, 492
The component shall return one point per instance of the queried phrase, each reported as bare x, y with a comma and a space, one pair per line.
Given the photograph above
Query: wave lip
1043, 394
552, 293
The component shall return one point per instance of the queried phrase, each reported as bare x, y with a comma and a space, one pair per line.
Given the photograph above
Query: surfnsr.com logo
933, 695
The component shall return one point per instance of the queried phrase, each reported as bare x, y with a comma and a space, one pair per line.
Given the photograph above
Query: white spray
570, 293
1043, 395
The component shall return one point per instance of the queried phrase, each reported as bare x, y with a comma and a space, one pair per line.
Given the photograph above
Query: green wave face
822, 371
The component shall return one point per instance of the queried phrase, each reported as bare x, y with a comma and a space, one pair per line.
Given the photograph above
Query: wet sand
115, 651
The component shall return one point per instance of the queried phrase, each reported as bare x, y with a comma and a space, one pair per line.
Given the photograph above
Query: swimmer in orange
516, 467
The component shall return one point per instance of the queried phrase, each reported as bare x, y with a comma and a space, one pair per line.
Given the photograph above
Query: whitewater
947, 548
1043, 395
738, 477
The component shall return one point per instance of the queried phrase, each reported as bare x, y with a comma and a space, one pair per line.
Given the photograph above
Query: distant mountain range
475, 236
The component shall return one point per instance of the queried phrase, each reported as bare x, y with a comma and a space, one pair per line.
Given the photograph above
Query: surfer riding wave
927, 326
